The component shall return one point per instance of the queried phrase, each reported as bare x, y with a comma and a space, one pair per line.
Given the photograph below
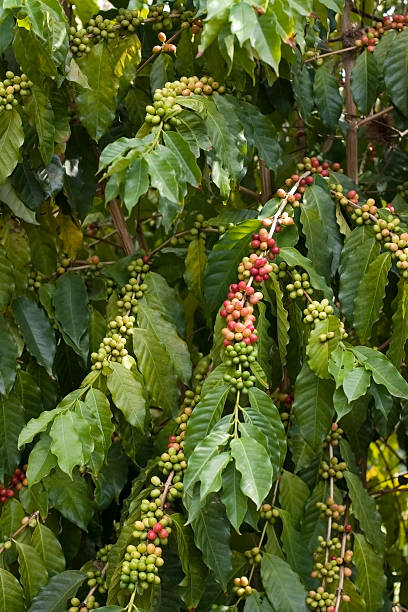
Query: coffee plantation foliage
204, 296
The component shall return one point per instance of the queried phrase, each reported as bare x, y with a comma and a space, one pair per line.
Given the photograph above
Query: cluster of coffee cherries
198, 230
317, 311
255, 265
369, 40
268, 513
309, 164
164, 47
95, 578
393, 22
112, 347
333, 469
100, 28
35, 279
79, 41
164, 19
336, 511
141, 563
261, 243
102, 554
334, 435
242, 587
17, 482
321, 599
90, 604
165, 106
294, 198
299, 282
128, 20
403, 189
12, 89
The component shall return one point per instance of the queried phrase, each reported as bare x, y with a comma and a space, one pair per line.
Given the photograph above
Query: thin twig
341, 573
336, 52
93, 589
151, 58
384, 344
380, 113
249, 192
20, 529
166, 488
121, 227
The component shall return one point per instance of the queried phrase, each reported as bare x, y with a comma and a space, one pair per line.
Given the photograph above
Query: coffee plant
203, 306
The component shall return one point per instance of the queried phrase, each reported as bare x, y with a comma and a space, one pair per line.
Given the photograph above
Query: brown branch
151, 58
179, 235
384, 344
119, 222
93, 589
266, 185
335, 52
166, 488
364, 14
341, 573
20, 529
380, 113
104, 239
249, 192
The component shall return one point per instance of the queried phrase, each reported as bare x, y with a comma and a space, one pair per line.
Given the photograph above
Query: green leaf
266, 41
6, 281
355, 383
96, 105
192, 129
8, 357
395, 72
294, 547
36, 426
163, 298
70, 497
9, 196
33, 572
66, 443
196, 263
11, 423
136, 183
53, 597
11, 593
383, 371
243, 21
259, 130
224, 259
270, 422
252, 460
319, 352
254, 603
174, 348
232, 497
318, 216
364, 509
128, 394
190, 172
293, 494
282, 586
313, 406
40, 461
37, 331
364, 81
163, 170
98, 412
341, 362
327, 97
294, 258
202, 455
39, 109
282, 319
399, 335
370, 579
155, 366
303, 91
49, 548
382, 48
211, 535
205, 415
42, 249
193, 584
370, 295
211, 477
71, 311
360, 249
11, 139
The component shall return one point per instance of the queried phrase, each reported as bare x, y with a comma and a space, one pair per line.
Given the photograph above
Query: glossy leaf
196, 263
370, 578
128, 394
319, 351
399, 325
234, 500
364, 81
355, 383
11, 593
8, 357
293, 494
37, 331
327, 97
282, 319
136, 182
365, 511
370, 295
205, 415
70, 302
313, 406
53, 597
202, 455
41, 461
252, 460
383, 371
282, 586
193, 567
70, 497
66, 443
33, 572
190, 172
12, 422
395, 74
39, 109
260, 132
11, 139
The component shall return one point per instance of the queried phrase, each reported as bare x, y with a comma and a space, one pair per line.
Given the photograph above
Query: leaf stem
335, 52
35, 515
380, 113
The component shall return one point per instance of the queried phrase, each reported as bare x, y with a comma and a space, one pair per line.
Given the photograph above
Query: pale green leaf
11, 593
33, 572
319, 352
252, 460
66, 443
234, 500
370, 579
282, 586
40, 461
128, 394
11, 139
53, 597
196, 263
355, 383
327, 97
370, 295
363, 507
